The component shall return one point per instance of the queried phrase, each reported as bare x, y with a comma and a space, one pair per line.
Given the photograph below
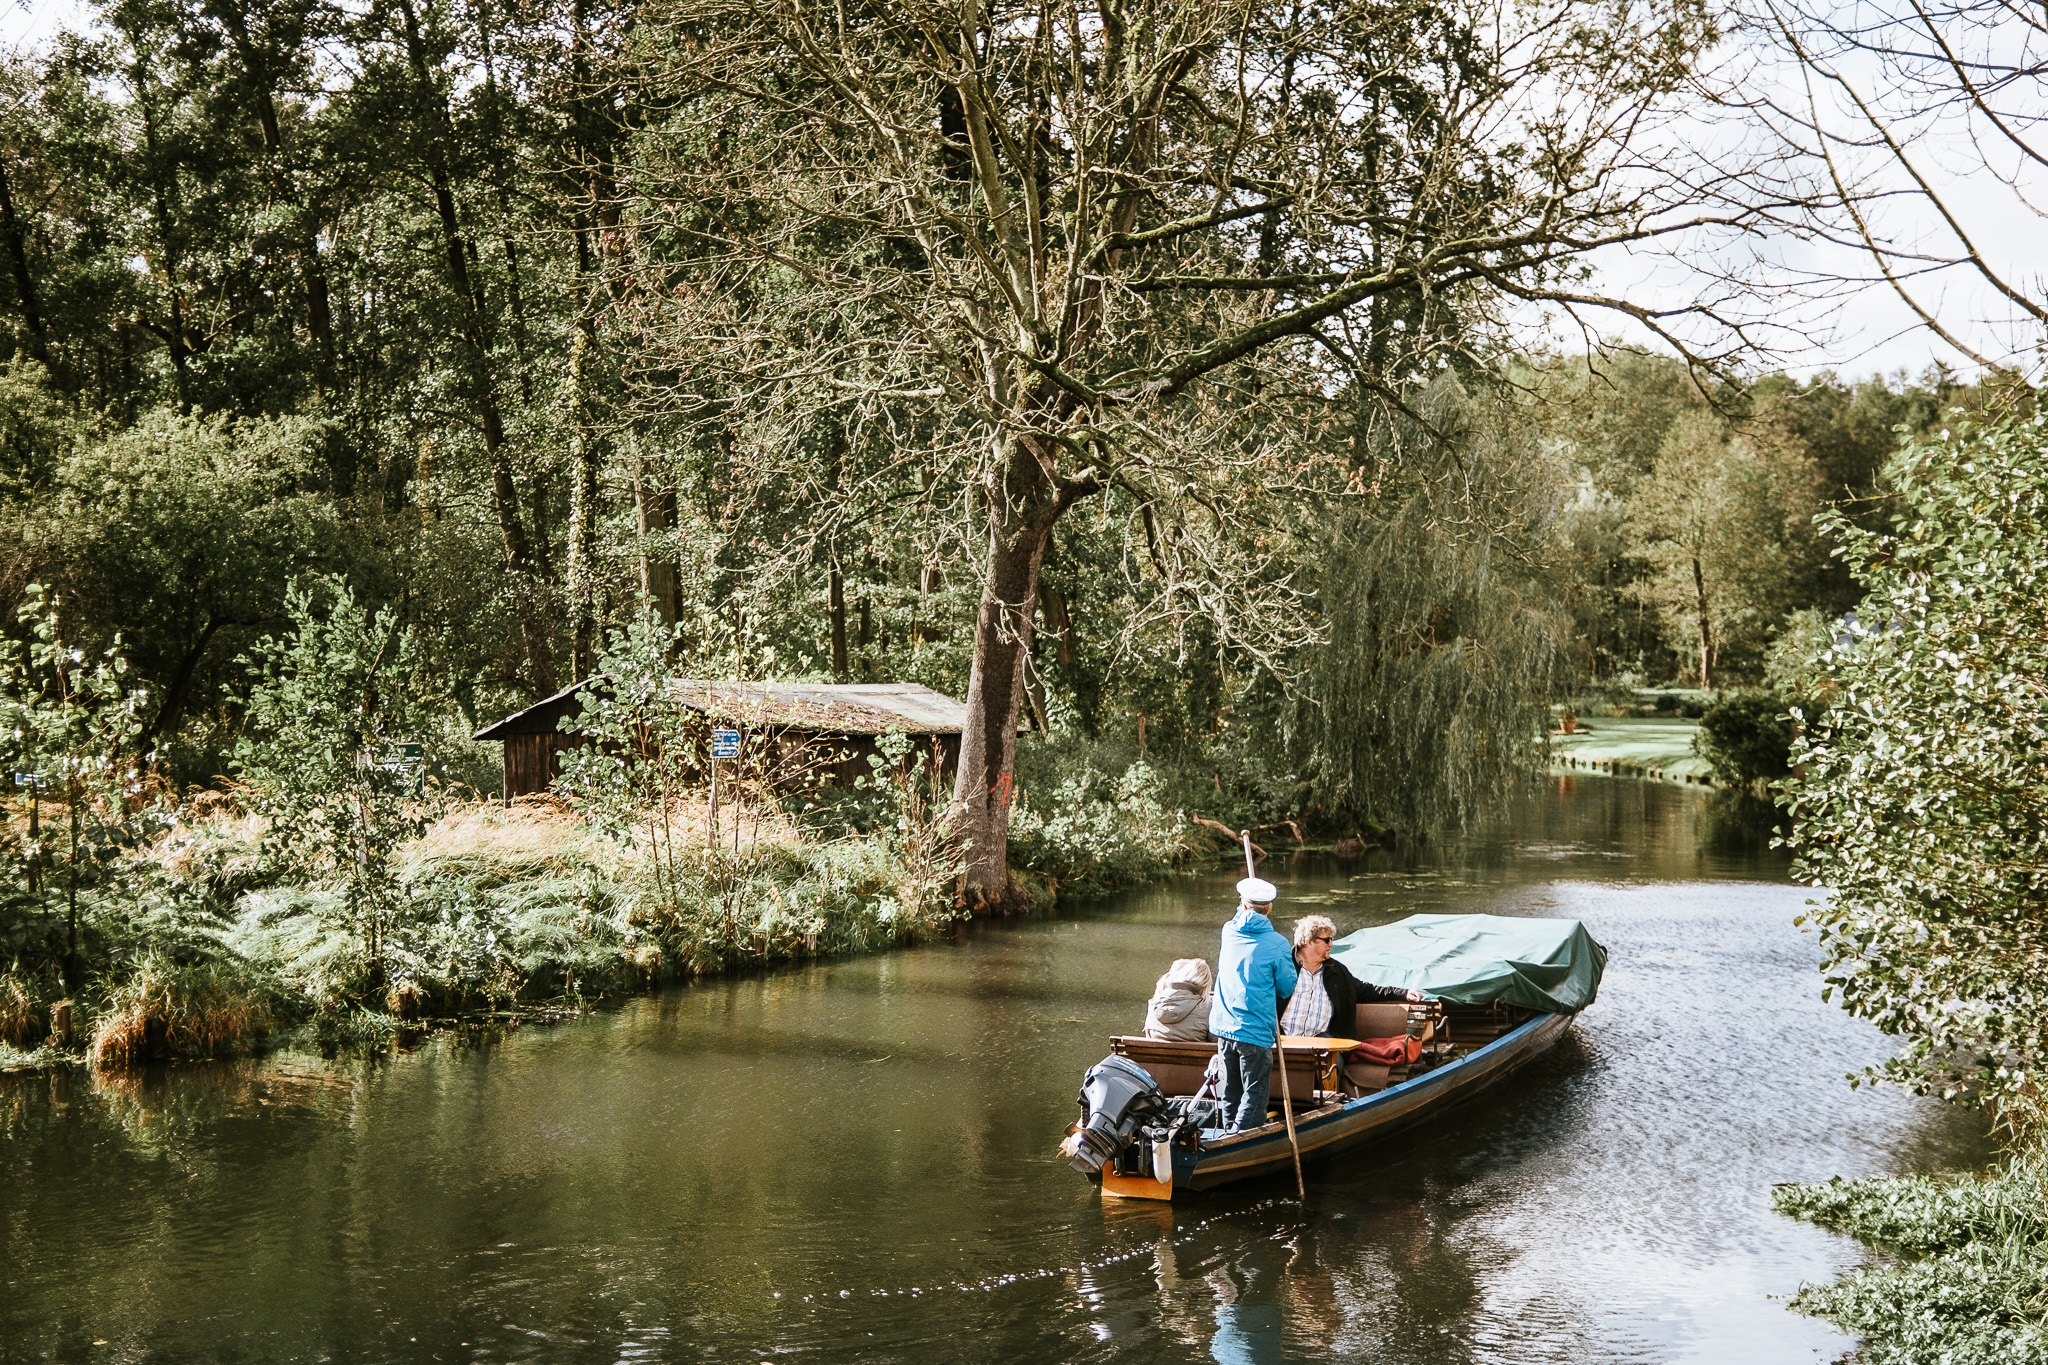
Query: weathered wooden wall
533, 761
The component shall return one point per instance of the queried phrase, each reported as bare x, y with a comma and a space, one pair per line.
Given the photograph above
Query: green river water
855, 1160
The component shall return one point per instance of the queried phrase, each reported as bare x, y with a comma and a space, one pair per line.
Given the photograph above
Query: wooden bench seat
1177, 1068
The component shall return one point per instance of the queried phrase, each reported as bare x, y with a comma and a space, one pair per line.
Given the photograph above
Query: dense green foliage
302, 289
1919, 805
1694, 505
371, 372
1921, 808
1973, 1283
1747, 737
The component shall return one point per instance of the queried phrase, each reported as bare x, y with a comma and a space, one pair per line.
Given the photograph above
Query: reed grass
21, 1020
163, 1008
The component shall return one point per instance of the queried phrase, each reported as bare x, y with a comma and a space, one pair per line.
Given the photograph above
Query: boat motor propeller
1117, 1097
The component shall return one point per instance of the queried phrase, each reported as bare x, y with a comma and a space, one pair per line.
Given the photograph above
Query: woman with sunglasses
1324, 988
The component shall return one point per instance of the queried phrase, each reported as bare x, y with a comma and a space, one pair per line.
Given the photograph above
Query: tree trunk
835, 608
306, 247
521, 566
583, 496
174, 695
1699, 584
1034, 695
24, 283
167, 218
655, 510
1059, 622
1020, 532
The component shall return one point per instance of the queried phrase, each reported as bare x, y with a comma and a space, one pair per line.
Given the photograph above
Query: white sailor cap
1258, 891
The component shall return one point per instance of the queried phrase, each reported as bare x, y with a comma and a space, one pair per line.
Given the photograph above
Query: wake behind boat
1502, 991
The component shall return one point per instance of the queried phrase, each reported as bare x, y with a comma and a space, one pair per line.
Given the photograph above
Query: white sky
25, 23
1866, 330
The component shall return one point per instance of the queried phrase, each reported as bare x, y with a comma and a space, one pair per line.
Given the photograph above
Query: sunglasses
1322, 938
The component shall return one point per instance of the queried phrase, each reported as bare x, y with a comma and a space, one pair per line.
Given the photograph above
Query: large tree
1139, 246
1724, 517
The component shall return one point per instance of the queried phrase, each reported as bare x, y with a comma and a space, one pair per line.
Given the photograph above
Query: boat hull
1326, 1132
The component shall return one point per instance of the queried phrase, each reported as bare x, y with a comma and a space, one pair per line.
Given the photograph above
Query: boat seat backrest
1369, 1077
1382, 1019
1177, 1068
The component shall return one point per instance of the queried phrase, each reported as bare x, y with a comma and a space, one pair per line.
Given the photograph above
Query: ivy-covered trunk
1020, 529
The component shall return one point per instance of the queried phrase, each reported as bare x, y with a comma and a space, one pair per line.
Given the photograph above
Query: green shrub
1924, 805
1747, 738
1094, 832
332, 710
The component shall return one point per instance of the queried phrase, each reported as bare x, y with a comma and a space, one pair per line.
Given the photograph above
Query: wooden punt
1483, 1047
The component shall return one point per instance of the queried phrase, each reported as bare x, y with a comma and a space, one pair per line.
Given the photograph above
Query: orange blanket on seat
1389, 1051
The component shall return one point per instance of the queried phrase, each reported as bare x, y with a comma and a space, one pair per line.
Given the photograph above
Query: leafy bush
1925, 802
330, 706
1093, 831
1747, 738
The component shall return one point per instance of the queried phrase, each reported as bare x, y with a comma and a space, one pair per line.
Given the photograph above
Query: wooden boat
1327, 1122
1482, 1024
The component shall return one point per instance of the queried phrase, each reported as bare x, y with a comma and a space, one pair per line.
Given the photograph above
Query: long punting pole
1286, 1097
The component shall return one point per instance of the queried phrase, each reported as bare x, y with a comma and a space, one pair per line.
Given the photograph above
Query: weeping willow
1444, 637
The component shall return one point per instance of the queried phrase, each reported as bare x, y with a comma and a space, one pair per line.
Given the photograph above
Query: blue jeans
1247, 1075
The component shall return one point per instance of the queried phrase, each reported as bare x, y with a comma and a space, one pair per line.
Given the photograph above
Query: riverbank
203, 942
1652, 748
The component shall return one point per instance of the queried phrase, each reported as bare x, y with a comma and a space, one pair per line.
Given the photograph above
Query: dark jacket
1347, 992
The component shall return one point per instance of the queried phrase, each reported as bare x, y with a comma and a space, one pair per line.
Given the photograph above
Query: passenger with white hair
1326, 994
1179, 1008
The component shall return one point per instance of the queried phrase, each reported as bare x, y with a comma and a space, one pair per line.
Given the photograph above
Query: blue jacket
1254, 973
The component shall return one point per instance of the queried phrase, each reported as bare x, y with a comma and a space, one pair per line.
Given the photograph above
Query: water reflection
1248, 1295
855, 1160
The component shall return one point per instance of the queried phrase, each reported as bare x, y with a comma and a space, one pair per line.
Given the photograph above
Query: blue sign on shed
725, 743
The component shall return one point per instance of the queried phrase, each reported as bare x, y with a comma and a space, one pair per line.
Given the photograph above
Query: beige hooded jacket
1179, 1008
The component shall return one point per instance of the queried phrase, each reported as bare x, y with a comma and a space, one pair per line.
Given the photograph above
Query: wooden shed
819, 733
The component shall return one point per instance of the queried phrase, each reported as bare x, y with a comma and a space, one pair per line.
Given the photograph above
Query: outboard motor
1117, 1096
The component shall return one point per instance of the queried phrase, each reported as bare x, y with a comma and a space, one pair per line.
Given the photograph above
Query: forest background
374, 373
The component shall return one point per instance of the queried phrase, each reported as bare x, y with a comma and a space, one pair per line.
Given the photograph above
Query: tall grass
500, 904
164, 1008
21, 1022
540, 901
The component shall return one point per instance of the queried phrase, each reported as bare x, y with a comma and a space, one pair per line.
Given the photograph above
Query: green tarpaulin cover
1551, 965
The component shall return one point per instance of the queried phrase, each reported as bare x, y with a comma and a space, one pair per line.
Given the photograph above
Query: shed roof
842, 708
834, 708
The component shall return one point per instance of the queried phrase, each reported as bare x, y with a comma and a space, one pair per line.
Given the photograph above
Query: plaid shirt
1308, 1013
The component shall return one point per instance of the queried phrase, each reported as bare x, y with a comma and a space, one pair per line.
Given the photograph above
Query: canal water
854, 1161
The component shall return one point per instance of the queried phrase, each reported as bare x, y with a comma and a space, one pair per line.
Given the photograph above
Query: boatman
1254, 973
